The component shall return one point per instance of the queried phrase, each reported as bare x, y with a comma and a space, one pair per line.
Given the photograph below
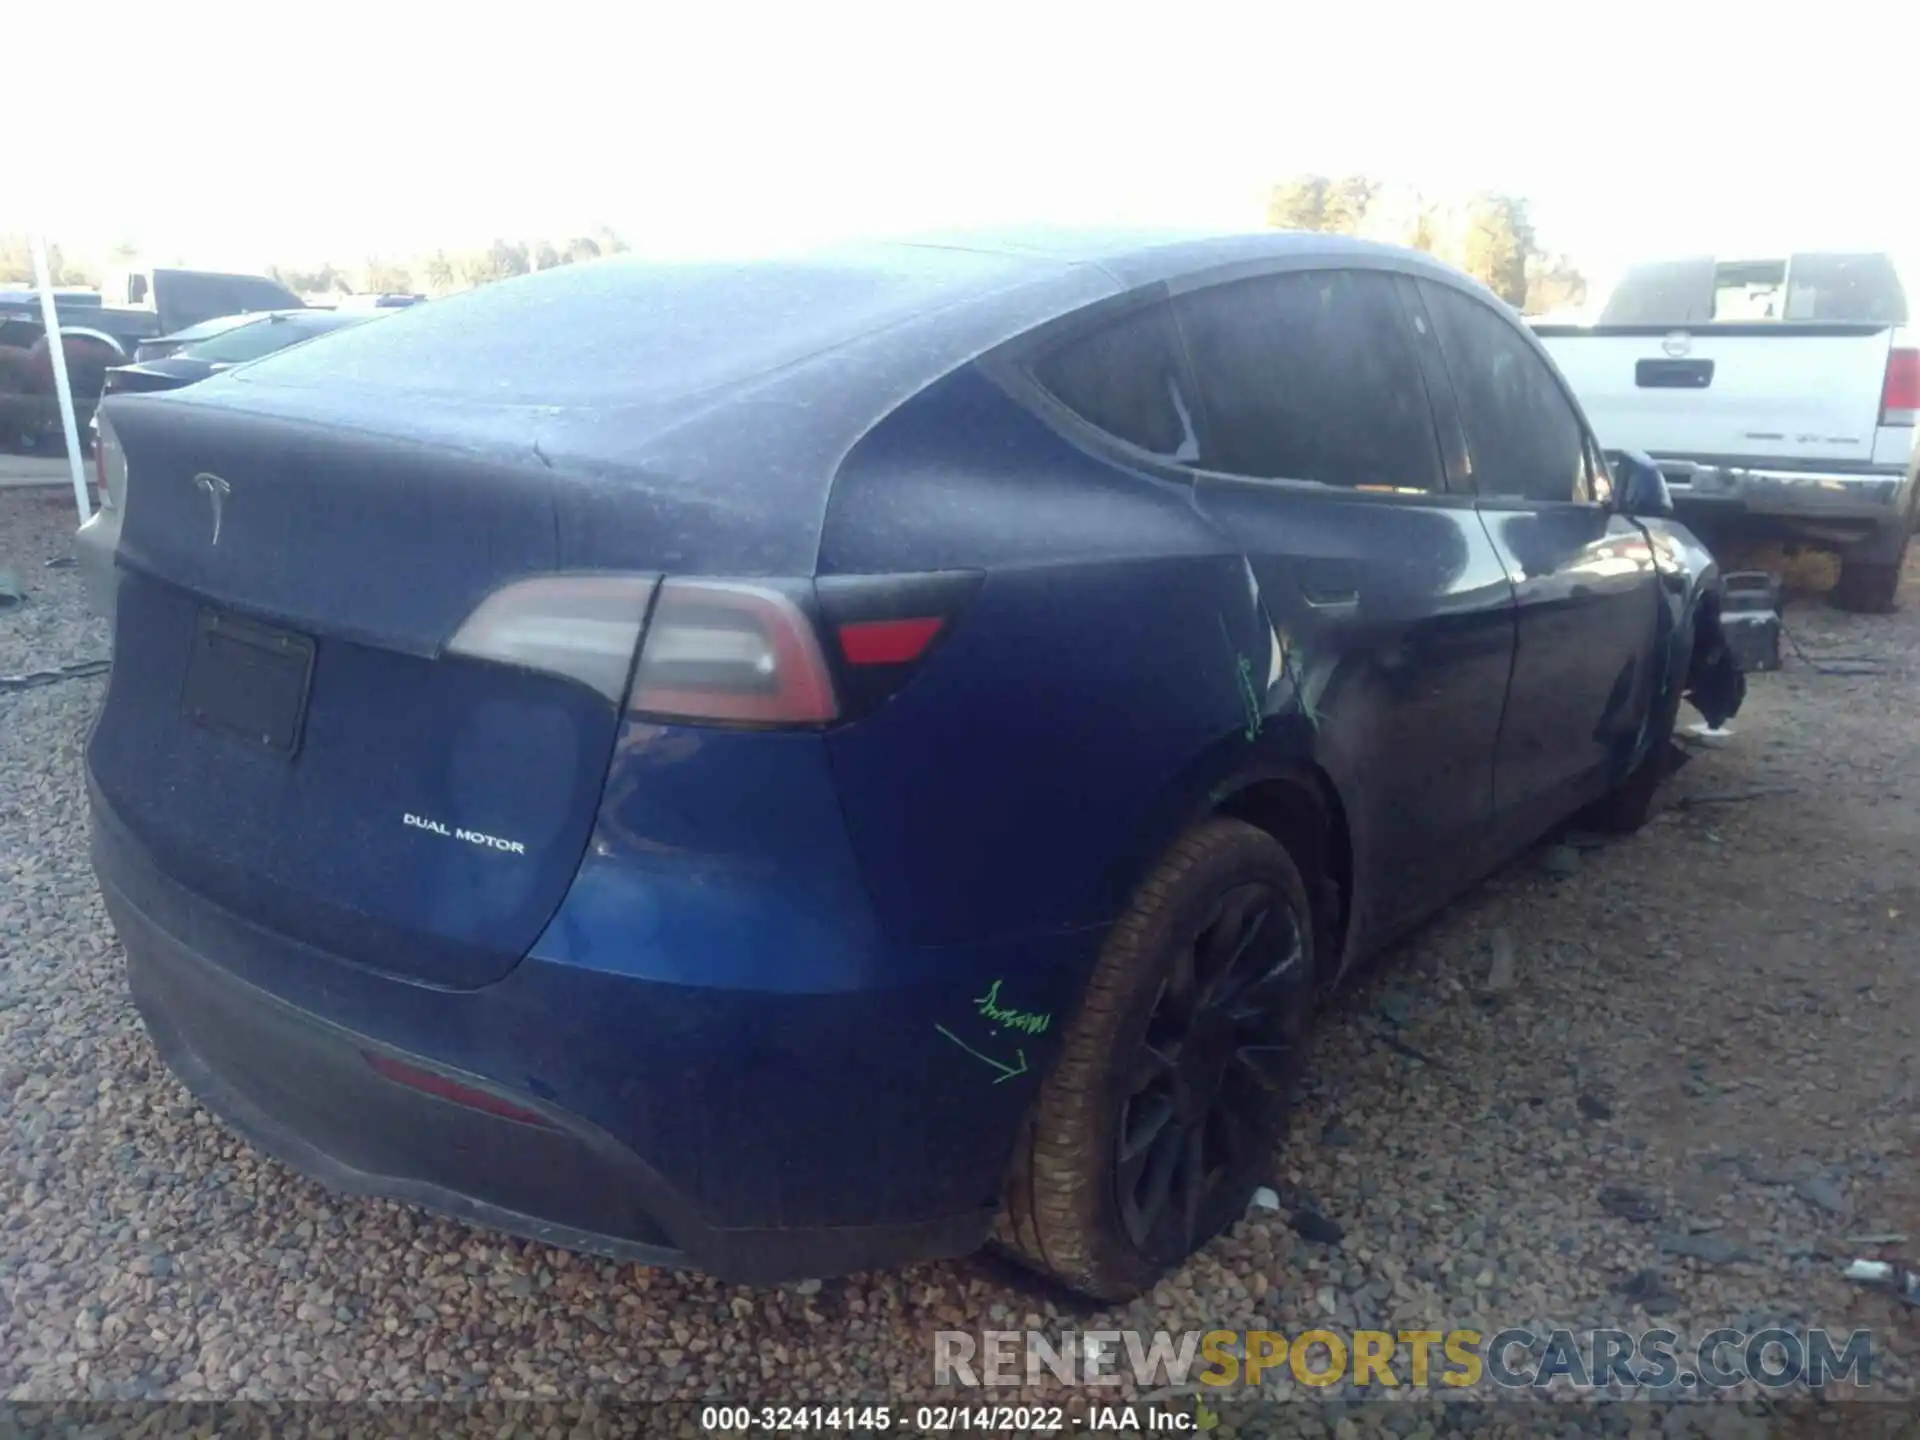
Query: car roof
1141, 256
699, 377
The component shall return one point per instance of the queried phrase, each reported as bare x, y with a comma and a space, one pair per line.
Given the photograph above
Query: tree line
440, 271
1489, 235
436, 272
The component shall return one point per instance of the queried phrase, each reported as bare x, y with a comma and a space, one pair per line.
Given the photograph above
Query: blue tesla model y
797, 766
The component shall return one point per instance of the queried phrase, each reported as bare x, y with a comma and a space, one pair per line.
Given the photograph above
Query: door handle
1323, 597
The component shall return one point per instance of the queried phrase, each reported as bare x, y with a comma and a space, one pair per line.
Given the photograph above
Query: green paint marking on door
1249, 696
1029, 1022
1007, 1072
1243, 681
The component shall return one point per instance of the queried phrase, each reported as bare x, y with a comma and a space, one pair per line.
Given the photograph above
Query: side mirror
1638, 486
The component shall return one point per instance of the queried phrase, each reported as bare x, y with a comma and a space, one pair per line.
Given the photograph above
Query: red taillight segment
732, 651
1900, 396
884, 628
428, 1083
888, 642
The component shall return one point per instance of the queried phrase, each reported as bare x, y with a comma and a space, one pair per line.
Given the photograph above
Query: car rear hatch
316, 546
284, 731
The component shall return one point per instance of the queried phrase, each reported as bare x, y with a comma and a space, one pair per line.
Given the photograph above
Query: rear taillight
723, 652
888, 642
1900, 395
582, 627
738, 652
880, 628
109, 464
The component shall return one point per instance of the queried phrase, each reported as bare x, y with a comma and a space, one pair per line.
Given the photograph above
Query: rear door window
1311, 376
1124, 378
1524, 438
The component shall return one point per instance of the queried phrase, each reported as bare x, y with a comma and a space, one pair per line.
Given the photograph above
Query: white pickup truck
1778, 396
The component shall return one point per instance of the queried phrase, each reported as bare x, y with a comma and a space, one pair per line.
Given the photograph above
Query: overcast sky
235, 137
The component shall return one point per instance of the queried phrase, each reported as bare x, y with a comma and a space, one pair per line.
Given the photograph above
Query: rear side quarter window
1124, 378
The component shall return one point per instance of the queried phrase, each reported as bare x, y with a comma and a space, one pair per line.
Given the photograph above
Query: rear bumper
302, 1091
757, 1137
1850, 508
94, 544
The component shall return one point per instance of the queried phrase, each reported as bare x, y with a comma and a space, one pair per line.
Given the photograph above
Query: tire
1871, 589
1076, 1208
1629, 805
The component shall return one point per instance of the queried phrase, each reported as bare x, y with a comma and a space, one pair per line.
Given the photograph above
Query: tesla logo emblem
216, 490
1677, 344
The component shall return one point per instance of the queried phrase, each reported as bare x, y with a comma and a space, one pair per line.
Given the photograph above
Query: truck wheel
1870, 589
1174, 1079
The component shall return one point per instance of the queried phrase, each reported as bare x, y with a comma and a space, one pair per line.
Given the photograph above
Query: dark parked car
776, 766
161, 346
217, 345
97, 334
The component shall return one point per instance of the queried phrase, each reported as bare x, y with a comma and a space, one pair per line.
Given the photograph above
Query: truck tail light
109, 464
1900, 395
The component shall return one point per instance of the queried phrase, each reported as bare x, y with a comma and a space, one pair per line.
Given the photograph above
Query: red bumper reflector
888, 642
446, 1089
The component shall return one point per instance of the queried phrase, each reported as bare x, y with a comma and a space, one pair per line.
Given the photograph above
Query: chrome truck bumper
1860, 512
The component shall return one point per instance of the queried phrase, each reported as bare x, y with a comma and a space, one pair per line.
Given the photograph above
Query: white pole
50, 319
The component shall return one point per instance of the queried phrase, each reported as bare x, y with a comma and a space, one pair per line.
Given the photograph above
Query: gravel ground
1698, 1085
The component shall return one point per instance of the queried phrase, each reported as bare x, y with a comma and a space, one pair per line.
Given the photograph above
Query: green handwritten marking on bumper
1007, 1072
1029, 1022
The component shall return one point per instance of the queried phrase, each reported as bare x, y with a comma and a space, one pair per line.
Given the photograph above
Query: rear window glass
628, 329
1845, 289
207, 329
1124, 378
1670, 292
204, 296
1812, 288
264, 336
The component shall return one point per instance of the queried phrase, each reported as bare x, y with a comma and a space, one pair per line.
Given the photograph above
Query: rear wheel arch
1300, 807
